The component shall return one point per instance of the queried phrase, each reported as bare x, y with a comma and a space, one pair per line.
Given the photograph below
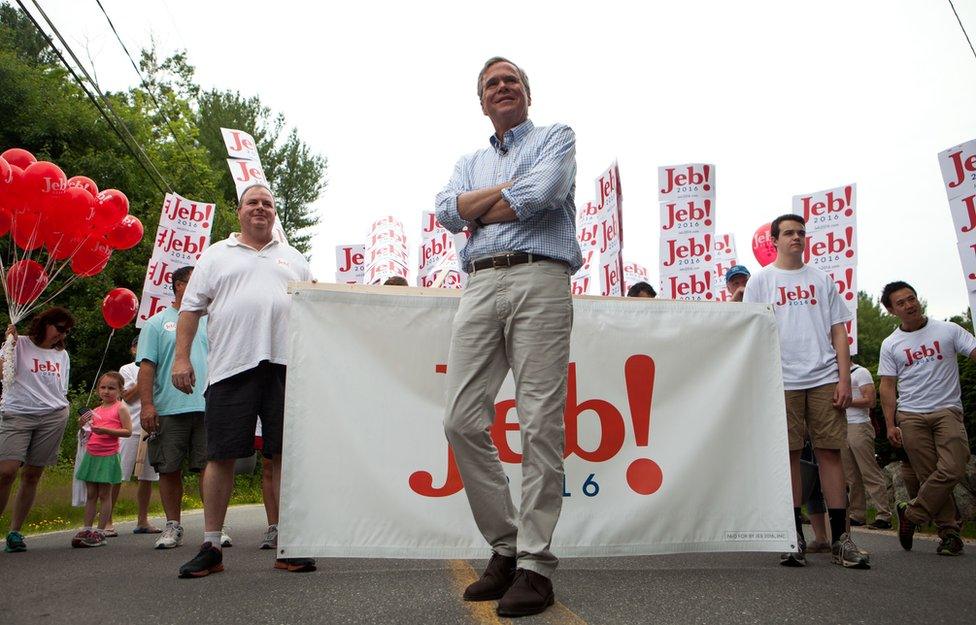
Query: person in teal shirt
172, 419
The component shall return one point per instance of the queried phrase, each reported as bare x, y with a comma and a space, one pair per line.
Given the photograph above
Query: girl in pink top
100, 468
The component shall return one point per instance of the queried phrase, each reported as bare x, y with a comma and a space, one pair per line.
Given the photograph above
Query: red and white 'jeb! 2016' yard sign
958, 165
831, 224
687, 265
182, 235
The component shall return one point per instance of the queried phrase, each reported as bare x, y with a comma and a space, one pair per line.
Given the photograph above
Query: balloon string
99, 372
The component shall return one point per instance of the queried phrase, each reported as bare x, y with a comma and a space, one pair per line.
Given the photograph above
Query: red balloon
26, 281
5, 221
62, 245
72, 213
45, 184
85, 183
762, 245
26, 231
125, 235
91, 258
4, 171
19, 157
111, 206
120, 307
12, 190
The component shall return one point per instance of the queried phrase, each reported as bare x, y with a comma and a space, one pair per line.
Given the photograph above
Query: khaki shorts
34, 440
810, 413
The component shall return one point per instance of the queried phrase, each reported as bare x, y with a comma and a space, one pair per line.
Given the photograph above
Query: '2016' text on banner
662, 453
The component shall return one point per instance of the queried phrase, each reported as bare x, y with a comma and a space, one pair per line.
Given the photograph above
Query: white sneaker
270, 538
224, 538
172, 536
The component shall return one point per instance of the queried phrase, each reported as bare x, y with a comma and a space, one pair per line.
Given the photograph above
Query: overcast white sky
784, 98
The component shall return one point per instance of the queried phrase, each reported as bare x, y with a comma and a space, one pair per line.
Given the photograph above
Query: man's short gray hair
256, 185
500, 59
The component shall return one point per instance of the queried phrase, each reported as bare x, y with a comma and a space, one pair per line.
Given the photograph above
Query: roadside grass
968, 529
52, 510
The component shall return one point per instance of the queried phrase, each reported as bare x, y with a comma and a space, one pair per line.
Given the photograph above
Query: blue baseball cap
737, 270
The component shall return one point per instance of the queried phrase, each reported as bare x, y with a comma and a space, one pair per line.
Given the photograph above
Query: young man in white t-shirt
816, 376
860, 465
926, 417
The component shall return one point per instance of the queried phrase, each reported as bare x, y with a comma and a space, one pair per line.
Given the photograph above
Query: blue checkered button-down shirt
541, 162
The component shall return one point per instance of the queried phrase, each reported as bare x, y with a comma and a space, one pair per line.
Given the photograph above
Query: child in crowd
100, 467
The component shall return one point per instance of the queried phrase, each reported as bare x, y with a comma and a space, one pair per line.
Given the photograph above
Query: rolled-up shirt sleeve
446, 201
550, 178
199, 293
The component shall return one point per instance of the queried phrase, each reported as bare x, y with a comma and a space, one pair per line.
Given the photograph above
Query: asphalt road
127, 582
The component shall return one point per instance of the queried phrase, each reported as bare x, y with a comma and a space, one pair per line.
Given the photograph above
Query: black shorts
233, 408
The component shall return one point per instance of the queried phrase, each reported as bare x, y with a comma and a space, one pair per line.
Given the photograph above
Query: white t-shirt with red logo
859, 377
40, 381
924, 361
806, 304
244, 293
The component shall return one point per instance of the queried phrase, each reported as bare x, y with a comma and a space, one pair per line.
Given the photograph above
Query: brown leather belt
506, 260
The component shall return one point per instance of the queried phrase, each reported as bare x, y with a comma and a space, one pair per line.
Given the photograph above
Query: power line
105, 100
91, 97
145, 85
963, 28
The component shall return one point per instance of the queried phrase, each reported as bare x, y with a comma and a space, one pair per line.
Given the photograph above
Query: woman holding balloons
33, 412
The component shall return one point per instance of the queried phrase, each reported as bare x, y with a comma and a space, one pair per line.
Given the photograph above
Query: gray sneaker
846, 554
171, 537
270, 538
225, 538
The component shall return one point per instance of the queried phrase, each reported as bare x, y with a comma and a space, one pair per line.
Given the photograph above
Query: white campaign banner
634, 273
182, 235
958, 165
653, 463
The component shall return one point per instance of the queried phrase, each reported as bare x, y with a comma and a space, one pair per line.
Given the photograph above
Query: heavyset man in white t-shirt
816, 376
860, 464
240, 283
926, 417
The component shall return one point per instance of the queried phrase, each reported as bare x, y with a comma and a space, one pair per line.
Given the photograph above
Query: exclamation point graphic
813, 295
938, 350
849, 279
708, 211
209, 213
708, 174
849, 237
849, 192
644, 476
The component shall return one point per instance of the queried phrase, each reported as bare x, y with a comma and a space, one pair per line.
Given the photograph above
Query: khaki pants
863, 473
938, 450
517, 318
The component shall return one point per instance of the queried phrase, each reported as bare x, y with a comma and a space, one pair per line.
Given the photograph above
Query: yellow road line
483, 612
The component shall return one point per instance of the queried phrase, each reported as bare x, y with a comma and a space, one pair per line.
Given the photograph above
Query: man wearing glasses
816, 376
173, 420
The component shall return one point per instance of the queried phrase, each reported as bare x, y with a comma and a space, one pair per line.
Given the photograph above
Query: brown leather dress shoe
494, 581
530, 593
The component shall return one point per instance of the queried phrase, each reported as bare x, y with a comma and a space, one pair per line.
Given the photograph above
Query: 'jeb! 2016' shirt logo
923, 354
46, 367
797, 296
